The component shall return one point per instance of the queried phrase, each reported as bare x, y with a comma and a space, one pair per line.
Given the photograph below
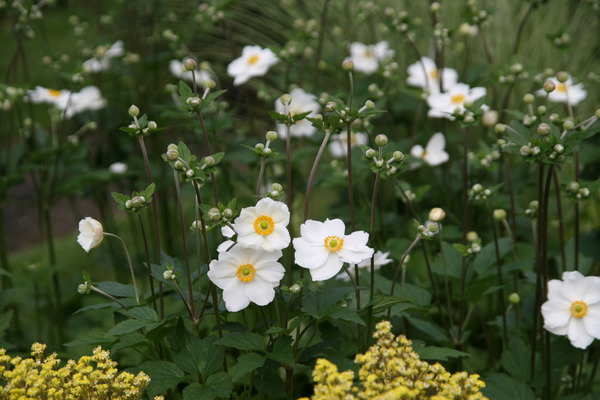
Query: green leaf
164, 375
246, 364
213, 95
185, 91
244, 341
116, 289
337, 311
317, 303
434, 353
148, 192
282, 350
127, 326
133, 339
217, 385
145, 314
453, 259
381, 303
513, 360
218, 157
504, 387
94, 339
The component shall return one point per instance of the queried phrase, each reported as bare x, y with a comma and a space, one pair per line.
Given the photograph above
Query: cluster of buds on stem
139, 126
276, 191
264, 150
478, 192
474, 243
387, 164
532, 211
576, 191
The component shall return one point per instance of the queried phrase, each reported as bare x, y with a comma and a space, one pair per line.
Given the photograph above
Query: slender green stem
502, 293
401, 263
103, 293
313, 171
135, 289
208, 152
148, 265
260, 176
521, 28
372, 239
561, 227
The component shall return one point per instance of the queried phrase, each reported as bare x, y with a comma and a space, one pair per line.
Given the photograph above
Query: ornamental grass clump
91, 377
391, 369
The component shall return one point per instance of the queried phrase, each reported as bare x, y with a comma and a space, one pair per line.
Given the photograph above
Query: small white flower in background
565, 91
118, 168
366, 58
246, 275
443, 105
40, 94
91, 233
324, 247
434, 153
264, 225
301, 102
178, 70
88, 98
425, 74
101, 62
254, 61
228, 233
573, 308
339, 143
380, 260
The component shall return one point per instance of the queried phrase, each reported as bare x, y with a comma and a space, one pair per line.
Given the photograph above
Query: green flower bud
398, 155
277, 187
190, 64
562, 76
227, 213
190, 173
209, 161
84, 288
369, 105
381, 140
370, 153
286, 99
500, 128
549, 86
172, 154
499, 214
543, 129
347, 65
514, 298
330, 106
179, 165
133, 111
169, 275
271, 136
528, 98
214, 214
152, 125
568, 125
437, 214
138, 201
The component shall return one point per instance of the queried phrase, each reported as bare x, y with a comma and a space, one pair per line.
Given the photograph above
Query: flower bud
214, 214
194, 101
259, 146
568, 125
295, 288
562, 76
209, 161
128, 204
330, 106
227, 213
369, 105
347, 65
379, 163
267, 151
190, 64
500, 128
381, 140
541, 110
487, 192
437, 214
172, 155
179, 165
525, 150
286, 99
514, 298
277, 187
549, 86
559, 148
469, 119
597, 113
475, 248
398, 155
190, 173
138, 201
573, 187
133, 111
528, 98
435, 7
169, 275
543, 129
499, 214
477, 188
271, 136
534, 204
370, 153
490, 118
84, 288
472, 236
152, 125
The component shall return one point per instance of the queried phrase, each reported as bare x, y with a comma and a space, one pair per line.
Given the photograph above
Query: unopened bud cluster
478, 192
576, 191
276, 191
428, 229
532, 210
140, 127
384, 163
515, 73
474, 243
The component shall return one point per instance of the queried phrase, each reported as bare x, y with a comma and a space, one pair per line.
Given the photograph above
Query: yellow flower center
246, 272
368, 53
433, 74
424, 154
333, 243
264, 225
253, 59
579, 309
561, 87
458, 99
54, 92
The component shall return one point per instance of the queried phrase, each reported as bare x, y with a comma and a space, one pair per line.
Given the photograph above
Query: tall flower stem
372, 235
208, 151
401, 264
313, 172
561, 227
154, 218
502, 293
135, 289
148, 265
289, 194
261, 173
103, 293
185, 247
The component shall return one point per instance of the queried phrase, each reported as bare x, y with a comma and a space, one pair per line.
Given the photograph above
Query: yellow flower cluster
92, 377
390, 369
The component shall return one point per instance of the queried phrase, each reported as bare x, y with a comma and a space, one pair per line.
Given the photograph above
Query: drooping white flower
178, 70
323, 248
118, 168
443, 105
302, 102
425, 74
254, 61
573, 308
101, 61
91, 233
434, 153
246, 275
380, 260
565, 92
339, 143
264, 225
366, 58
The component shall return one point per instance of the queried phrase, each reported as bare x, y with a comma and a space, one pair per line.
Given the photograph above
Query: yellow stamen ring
246, 272
253, 59
333, 243
458, 99
264, 225
579, 309
54, 92
561, 87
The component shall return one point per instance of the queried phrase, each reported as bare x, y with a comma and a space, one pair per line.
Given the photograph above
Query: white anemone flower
246, 275
178, 70
302, 102
101, 62
443, 105
339, 144
565, 92
91, 233
366, 58
88, 98
573, 308
380, 260
425, 74
40, 94
264, 225
323, 248
254, 61
434, 153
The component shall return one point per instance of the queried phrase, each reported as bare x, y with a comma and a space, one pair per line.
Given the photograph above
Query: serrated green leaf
148, 192
282, 350
504, 387
344, 313
246, 364
213, 95
317, 303
145, 314
185, 91
164, 375
116, 289
127, 326
513, 361
244, 341
218, 157
94, 339
434, 353
217, 386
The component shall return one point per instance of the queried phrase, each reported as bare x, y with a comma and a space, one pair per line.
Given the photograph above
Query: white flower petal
591, 320
309, 255
234, 295
334, 227
259, 292
556, 317
327, 270
578, 335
